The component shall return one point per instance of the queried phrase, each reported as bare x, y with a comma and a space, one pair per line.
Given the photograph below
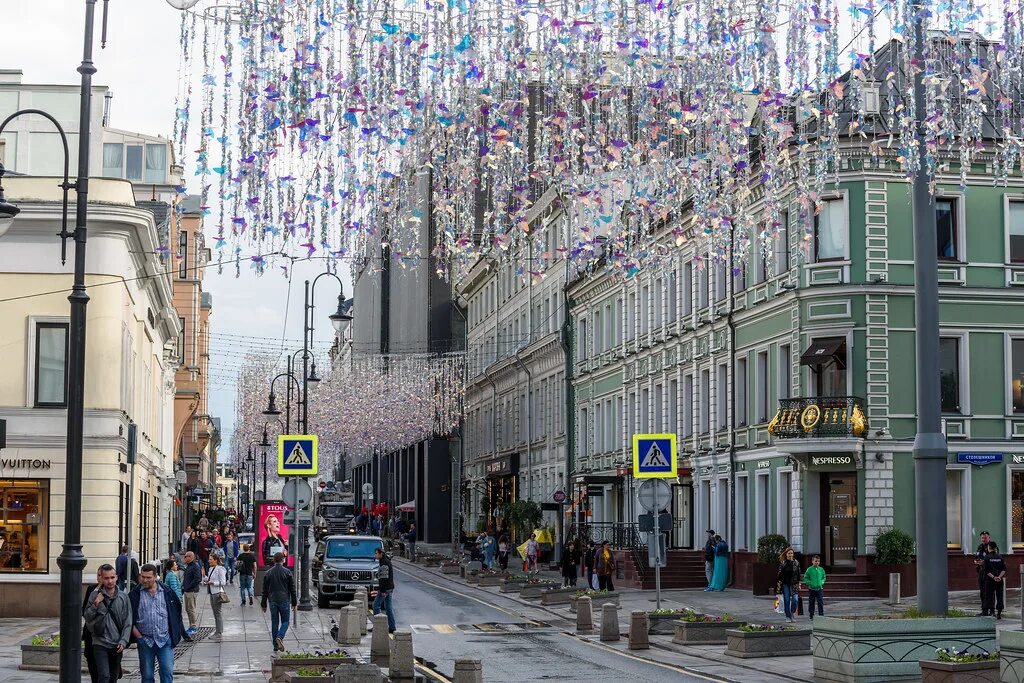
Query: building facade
131, 333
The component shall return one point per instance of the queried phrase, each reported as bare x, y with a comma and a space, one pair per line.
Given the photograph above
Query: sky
44, 39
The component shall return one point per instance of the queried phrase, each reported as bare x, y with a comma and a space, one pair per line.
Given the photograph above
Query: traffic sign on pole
297, 455
654, 456
654, 495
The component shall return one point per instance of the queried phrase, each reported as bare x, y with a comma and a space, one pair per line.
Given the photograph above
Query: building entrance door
682, 516
839, 518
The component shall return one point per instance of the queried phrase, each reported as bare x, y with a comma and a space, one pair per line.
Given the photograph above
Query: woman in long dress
721, 571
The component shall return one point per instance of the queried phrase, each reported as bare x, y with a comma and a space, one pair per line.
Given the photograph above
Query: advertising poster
272, 534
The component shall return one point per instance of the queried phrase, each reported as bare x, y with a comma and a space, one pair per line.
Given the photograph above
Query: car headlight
332, 575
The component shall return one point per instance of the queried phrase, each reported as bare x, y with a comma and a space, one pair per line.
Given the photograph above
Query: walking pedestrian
157, 627
108, 618
279, 593
788, 581
979, 565
86, 636
205, 546
814, 579
410, 538
604, 566
231, 552
504, 547
995, 582
186, 536
532, 551
490, 547
720, 575
215, 580
190, 583
570, 564
171, 577
385, 588
246, 570
589, 556
709, 556
121, 564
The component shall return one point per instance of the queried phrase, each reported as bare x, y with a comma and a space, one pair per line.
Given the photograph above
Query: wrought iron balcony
819, 417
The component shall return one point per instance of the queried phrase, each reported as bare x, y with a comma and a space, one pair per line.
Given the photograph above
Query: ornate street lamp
7, 210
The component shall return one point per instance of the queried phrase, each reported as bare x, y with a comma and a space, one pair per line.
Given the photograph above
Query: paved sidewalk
243, 654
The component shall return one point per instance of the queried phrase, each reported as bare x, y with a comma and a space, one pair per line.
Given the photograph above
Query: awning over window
825, 351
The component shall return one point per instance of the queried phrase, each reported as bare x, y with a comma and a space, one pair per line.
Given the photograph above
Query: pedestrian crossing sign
297, 455
654, 456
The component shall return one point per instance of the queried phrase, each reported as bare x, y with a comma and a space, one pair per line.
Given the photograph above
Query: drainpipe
732, 403
569, 423
529, 424
494, 422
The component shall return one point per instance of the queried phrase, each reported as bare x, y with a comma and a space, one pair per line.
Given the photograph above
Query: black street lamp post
71, 559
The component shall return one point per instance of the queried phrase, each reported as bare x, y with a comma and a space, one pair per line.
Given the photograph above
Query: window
760, 261
1017, 508
645, 307
133, 165
51, 380
581, 348
720, 288
658, 305
609, 426
761, 386
673, 297
631, 316
762, 516
705, 401
741, 391
827, 360
687, 288
659, 404
609, 327
1017, 376
785, 368
702, 287
156, 163
741, 512
785, 513
182, 254
1015, 228
631, 418
25, 523
583, 430
598, 428
598, 332
645, 409
687, 417
949, 373
617, 425
672, 423
954, 508
113, 160
181, 341
946, 229
782, 244
830, 231
722, 396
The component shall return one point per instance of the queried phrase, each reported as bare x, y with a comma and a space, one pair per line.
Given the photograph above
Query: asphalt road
448, 624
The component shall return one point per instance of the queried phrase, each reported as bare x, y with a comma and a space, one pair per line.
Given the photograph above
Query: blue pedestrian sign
654, 456
297, 455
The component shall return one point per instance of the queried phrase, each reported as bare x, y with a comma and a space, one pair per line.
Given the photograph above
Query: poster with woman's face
272, 535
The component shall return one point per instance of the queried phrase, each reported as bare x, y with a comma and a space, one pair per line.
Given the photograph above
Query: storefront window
24, 508
954, 508
1017, 508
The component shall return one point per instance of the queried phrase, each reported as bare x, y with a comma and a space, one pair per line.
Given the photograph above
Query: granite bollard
584, 615
638, 631
380, 643
609, 623
402, 664
468, 671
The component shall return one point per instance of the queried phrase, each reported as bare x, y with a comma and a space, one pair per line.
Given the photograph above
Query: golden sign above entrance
819, 417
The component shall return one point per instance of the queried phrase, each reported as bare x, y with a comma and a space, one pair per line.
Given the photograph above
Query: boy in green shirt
814, 578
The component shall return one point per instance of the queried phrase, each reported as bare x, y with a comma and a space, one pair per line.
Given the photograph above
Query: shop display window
24, 525
1017, 508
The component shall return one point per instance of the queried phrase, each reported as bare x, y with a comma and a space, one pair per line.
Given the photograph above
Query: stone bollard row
584, 615
348, 626
356, 672
380, 643
468, 671
609, 622
639, 626
402, 664
360, 608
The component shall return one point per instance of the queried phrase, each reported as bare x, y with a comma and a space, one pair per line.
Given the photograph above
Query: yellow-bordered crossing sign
297, 455
654, 456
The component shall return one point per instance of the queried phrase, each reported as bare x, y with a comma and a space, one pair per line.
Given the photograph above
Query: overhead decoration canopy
361, 130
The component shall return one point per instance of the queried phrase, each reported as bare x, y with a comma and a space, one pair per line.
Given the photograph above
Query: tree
523, 516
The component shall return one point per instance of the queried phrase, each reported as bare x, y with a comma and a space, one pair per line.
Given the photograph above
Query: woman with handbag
787, 582
215, 580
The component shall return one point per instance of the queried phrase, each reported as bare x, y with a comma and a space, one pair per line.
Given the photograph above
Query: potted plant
890, 647
533, 588
766, 569
450, 567
492, 577
767, 640
894, 549
308, 675
952, 666
597, 598
282, 663
41, 652
693, 628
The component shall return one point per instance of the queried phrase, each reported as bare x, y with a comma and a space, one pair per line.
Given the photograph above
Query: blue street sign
980, 459
297, 455
654, 456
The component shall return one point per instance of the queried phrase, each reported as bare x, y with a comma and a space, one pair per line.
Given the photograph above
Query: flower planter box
702, 632
472, 577
292, 677
967, 672
597, 601
533, 590
43, 657
870, 650
449, 569
492, 580
558, 596
279, 666
746, 645
1011, 656
512, 585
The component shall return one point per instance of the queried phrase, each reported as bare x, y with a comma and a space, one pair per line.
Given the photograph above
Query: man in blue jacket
190, 583
157, 627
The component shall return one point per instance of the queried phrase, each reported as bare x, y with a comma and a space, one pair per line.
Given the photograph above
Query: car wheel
322, 601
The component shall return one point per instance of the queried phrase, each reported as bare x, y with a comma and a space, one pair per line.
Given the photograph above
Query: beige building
131, 357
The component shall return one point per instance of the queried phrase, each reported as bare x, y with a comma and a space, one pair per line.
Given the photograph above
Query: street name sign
654, 456
297, 455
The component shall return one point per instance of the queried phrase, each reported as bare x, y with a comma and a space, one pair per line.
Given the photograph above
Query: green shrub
769, 547
893, 546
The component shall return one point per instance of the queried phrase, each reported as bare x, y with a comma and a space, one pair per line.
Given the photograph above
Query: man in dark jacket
108, 619
385, 587
157, 625
190, 583
86, 636
121, 564
279, 592
205, 546
709, 556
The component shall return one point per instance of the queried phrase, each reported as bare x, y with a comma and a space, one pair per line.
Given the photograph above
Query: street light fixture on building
271, 410
340, 319
7, 210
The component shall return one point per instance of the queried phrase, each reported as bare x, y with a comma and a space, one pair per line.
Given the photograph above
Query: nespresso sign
831, 460
26, 463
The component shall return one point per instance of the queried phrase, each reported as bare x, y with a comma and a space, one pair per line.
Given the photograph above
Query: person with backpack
108, 618
709, 557
215, 580
246, 572
589, 555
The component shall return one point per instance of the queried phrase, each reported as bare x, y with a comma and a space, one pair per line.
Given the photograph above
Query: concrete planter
292, 677
472, 577
491, 580
449, 569
1011, 656
870, 650
951, 672
789, 643
534, 590
701, 632
558, 596
512, 585
279, 666
42, 657
597, 601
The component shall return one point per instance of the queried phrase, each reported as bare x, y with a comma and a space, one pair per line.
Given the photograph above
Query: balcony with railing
819, 417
